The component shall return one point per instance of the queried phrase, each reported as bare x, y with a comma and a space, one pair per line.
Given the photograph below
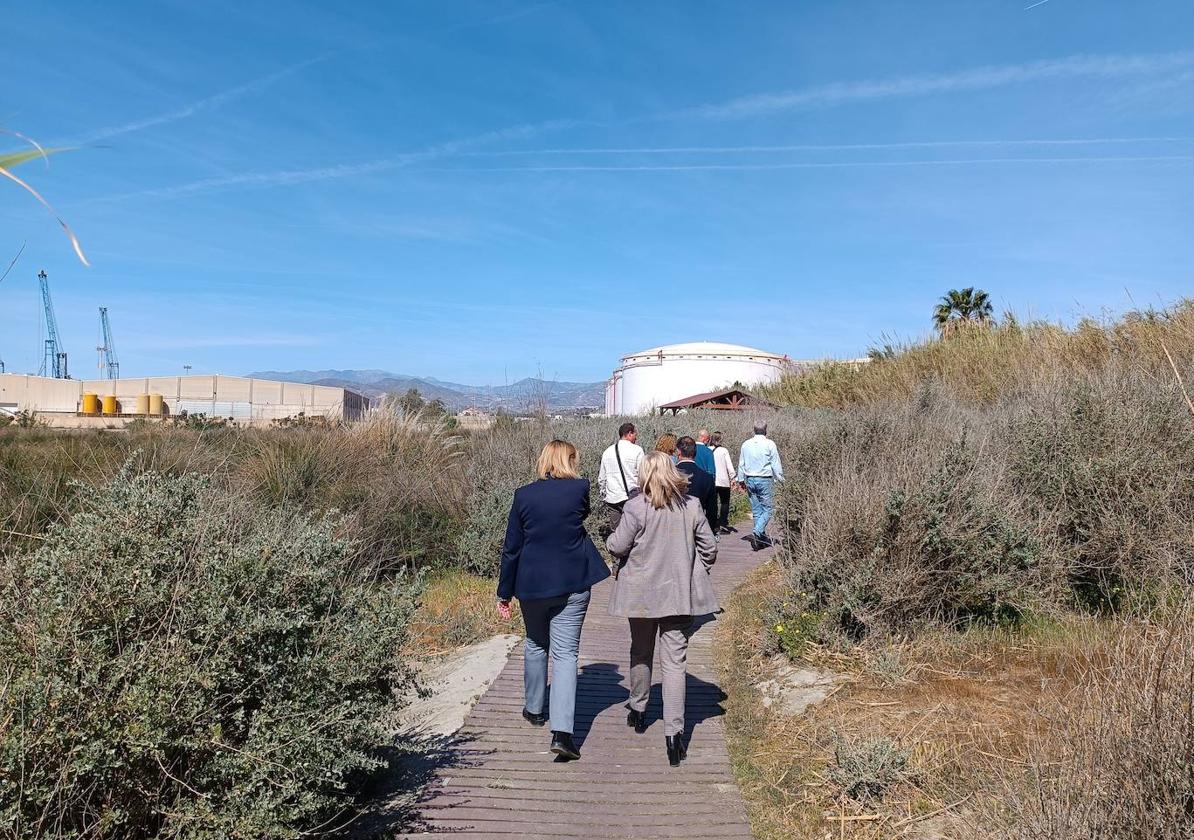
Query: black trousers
613, 516
723, 505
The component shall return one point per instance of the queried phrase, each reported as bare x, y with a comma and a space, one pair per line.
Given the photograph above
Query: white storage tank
650, 378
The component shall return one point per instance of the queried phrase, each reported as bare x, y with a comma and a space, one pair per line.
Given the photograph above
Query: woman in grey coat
666, 550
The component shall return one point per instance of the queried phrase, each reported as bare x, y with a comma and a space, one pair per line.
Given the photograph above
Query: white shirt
759, 458
609, 479
724, 465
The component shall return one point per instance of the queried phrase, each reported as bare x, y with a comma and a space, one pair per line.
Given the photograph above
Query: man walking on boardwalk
618, 477
700, 483
704, 455
759, 467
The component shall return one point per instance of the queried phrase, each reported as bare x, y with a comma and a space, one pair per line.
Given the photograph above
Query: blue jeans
553, 624
762, 502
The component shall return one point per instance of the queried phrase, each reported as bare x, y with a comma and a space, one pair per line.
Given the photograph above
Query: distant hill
520, 396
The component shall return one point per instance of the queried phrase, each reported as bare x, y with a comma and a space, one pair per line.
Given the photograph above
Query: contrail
207, 103
978, 78
1034, 5
769, 167
820, 147
287, 177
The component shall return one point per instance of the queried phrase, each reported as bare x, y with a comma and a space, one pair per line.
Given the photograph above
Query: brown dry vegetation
455, 609
990, 535
983, 365
1068, 730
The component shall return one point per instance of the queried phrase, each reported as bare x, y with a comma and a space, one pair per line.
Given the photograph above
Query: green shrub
178, 663
791, 625
866, 769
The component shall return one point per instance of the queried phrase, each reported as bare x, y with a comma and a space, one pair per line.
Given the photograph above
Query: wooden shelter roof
731, 399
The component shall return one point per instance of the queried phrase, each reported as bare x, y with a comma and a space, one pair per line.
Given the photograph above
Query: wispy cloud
175, 342
207, 103
771, 167
289, 177
820, 147
979, 78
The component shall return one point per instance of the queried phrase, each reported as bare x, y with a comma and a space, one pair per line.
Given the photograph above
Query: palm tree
965, 306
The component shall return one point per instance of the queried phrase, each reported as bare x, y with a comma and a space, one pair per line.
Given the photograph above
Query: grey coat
668, 553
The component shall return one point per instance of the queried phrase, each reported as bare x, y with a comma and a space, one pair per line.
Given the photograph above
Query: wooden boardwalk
503, 782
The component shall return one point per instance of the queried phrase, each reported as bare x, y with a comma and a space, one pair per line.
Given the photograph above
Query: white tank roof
705, 348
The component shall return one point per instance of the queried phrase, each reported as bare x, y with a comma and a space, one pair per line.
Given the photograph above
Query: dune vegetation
985, 540
988, 547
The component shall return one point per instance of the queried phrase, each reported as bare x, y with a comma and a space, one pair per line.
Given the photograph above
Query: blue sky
479, 191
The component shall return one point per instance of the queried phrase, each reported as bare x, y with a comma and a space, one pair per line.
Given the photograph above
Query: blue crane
54, 362
109, 367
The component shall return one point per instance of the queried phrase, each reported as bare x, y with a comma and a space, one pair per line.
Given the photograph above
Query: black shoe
638, 720
534, 719
561, 745
755, 542
676, 751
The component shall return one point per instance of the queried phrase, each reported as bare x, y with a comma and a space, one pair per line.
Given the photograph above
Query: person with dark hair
723, 481
618, 477
700, 483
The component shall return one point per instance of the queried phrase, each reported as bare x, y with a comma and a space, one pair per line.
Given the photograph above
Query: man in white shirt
723, 480
618, 477
759, 467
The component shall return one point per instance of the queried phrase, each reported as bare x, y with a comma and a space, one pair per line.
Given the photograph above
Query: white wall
640, 387
217, 396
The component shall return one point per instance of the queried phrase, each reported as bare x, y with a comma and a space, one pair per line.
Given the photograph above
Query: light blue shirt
760, 459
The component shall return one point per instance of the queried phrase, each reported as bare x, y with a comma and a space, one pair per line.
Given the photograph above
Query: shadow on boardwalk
497, 778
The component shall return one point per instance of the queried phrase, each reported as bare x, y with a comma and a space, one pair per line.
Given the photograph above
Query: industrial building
98, 402
651, 378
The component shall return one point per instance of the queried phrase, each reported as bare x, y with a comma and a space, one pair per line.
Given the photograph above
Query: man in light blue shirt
759, 467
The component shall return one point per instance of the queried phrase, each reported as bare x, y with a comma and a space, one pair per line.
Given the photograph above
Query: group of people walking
665, 512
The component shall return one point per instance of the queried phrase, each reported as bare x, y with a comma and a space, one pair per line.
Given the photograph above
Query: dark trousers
723, 506
613, 514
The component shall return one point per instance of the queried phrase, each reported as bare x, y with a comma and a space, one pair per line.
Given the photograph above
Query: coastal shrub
865, 769
179, 663
1106, 463
899, 519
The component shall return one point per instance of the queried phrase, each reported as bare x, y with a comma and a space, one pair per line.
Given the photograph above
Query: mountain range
523, 395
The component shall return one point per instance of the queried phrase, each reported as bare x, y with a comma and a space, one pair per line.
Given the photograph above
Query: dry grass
456, 609
973, 712
980, 365
1113, 756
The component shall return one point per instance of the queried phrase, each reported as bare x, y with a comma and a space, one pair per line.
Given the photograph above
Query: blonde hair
662, 483
666, 443
558, 460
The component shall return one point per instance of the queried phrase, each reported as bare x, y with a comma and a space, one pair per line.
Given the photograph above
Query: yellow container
111, 406
142, 404
91, 405
155, 405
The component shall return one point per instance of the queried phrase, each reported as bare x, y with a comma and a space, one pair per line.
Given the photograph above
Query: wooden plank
503, 782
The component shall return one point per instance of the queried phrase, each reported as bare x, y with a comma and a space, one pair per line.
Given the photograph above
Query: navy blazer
548, 553
702, 487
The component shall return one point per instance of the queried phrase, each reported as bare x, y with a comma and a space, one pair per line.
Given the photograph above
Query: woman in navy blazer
549, 564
